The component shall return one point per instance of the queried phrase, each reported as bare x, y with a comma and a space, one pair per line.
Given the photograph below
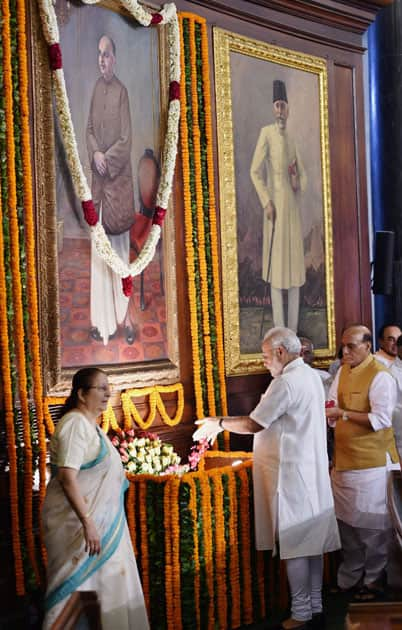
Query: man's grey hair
284, 337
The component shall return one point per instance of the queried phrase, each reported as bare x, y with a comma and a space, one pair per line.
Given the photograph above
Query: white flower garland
168, 16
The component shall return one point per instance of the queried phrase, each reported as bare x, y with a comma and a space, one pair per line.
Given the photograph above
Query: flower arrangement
145, 453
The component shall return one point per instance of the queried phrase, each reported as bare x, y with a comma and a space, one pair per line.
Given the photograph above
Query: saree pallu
113, 572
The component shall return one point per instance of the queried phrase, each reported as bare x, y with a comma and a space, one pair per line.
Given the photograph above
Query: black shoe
317, 621
130, 335
95, 334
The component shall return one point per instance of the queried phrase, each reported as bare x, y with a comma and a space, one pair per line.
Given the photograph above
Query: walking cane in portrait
268, 273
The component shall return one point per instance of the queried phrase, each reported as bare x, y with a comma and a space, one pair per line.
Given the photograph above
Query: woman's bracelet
221, 423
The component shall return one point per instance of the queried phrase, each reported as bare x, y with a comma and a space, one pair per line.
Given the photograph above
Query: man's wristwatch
345, 416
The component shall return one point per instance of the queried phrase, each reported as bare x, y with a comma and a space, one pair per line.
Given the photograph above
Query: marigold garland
189, 229
175, 531
9, 421
109, 420
200, 225
30, 253
219, 349
220, 548
155, 402
142, 492
130, 512
234, 552
208, 545
19, 333
244, 517
194, 513
170, 621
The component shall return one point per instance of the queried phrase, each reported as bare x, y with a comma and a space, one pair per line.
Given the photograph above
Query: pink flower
130, 432
124, 459
122, 451
123, 444
115, 441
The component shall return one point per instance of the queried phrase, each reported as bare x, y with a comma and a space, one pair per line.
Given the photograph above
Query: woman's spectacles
101, 388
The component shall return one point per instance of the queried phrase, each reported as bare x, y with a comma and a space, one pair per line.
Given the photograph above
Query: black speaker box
383, 262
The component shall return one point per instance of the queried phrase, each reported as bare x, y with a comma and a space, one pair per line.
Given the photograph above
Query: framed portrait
116, 80
275, 197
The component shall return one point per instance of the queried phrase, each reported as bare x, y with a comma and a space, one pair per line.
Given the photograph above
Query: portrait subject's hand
208, 430
92, 538
270, 211
100, 162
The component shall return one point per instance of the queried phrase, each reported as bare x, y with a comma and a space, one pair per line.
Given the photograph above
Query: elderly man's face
354, 349
106, 58
389, 339
274, 359
281, 113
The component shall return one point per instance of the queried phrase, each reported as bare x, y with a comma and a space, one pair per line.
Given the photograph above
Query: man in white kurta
279, 178
293, 501
364, 394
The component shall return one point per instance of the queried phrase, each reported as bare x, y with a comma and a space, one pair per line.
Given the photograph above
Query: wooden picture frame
130, 361
245, 72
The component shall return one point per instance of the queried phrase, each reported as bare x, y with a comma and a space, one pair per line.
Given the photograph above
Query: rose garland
168, 16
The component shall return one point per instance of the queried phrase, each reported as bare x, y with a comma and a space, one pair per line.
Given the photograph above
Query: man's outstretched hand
208, 430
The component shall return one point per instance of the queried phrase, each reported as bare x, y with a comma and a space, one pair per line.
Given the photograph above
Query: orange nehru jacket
358, 447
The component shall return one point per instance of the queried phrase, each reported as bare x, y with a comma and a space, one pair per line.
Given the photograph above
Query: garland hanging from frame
167, 16
200, 221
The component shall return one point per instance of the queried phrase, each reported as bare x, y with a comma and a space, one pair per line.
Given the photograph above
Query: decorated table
193, 537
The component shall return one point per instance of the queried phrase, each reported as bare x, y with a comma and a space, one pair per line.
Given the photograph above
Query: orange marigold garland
244, 519
194, 513
9, 421
170, 621
30, 252
142, 492
19, 333
234, 552
208, 544
220, 548
188, 226
130, 512
174, 508
201, 224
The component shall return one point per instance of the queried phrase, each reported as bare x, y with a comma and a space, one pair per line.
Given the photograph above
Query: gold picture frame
245, 70
46, 151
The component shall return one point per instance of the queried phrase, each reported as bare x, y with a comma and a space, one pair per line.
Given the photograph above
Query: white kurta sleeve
382, 396
258, 169
273, 404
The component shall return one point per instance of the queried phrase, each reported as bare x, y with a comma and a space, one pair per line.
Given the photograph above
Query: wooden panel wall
333, 30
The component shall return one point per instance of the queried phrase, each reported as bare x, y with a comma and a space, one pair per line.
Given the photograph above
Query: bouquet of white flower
145, 453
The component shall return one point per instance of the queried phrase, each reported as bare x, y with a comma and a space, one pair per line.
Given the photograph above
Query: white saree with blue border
113, 572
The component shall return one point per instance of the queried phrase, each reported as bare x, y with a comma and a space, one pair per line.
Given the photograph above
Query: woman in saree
85, 529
